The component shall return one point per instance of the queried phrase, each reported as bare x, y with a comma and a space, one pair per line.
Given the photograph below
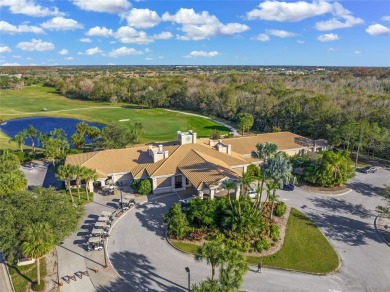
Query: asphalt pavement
146, 262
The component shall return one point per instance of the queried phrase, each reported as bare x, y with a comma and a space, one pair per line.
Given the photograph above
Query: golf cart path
232, 129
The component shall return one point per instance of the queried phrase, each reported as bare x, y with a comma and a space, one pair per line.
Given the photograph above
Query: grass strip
24, 275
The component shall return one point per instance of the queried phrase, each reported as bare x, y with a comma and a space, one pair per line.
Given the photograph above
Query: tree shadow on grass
365, 189
350, 231
16, 269
336, 205
138, 275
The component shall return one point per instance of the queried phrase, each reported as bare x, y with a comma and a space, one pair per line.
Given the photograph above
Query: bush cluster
280, 209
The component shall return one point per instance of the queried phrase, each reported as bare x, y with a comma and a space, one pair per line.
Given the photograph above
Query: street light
105, 255
189, 277
121, 201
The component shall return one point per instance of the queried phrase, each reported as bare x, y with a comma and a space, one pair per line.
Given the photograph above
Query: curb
378, 232
326, 193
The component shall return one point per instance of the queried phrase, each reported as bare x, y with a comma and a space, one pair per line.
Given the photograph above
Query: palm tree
279, 169
78, 173
32, 133
66, 173
20, 139
229, 185
38, 241
265, 151
246, 180
137, 130
233, 269
272, 197
211, 251
89, 175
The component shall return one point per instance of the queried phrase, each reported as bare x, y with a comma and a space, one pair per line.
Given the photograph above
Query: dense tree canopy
19, 210
12, 179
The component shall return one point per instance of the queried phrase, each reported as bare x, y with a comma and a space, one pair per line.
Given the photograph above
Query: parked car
184, 203
289, 187
252, 193
369, 169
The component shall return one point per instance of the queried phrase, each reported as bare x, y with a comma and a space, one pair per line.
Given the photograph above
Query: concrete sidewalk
73, 258
5, 281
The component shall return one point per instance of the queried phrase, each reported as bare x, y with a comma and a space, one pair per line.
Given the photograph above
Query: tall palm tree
19, 139
38, 240
272, 197
66, 173
89, 175
246, 180
78, 174
32, 133
212, 252
229, 185
265, 151
279, 169
233, 269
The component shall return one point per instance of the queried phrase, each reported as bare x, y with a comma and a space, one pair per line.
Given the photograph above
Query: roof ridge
211, 163
256, 135
169, 156
95, 153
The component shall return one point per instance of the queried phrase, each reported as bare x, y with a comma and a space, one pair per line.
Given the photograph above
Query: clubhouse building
189, 163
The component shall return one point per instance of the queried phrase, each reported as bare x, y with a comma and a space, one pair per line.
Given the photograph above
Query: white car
252, 194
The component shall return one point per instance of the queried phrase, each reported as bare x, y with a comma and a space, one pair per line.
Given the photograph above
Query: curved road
146, 262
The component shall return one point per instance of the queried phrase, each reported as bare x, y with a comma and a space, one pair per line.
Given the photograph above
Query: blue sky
235, 32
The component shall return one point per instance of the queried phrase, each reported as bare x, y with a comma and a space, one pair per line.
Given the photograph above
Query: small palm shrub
262, 245
280, 209
274, 232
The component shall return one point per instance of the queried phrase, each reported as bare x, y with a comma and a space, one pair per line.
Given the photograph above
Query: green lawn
159, 124
83, 196
24, 275
305, 248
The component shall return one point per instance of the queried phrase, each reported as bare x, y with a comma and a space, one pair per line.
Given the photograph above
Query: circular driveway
146, 262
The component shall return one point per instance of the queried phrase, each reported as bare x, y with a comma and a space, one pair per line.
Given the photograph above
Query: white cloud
28, 7
386, 18
331, 49
61, 23
109, 6
284, 11
99, 31
63, 52
334, 23
149, 59
10, 64
165, 35
199, 26
300, 42
377, 29
203, 54
262, 37
127, 35
142, 18
328, 37
6, 27
5, 49
280, 33
85, 40
68, 58
35, 45
358, 52
93, 51
124, 51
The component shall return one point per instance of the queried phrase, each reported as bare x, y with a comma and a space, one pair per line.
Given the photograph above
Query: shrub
274, 232
145, 187
196, 235
262, 245
177, 222
135, 184
280, 209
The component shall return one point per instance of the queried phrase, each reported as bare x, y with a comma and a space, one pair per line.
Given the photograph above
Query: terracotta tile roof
200, 171
247, 144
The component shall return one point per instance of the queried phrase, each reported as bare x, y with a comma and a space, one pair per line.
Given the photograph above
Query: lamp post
189, 278
104, 251
121, 201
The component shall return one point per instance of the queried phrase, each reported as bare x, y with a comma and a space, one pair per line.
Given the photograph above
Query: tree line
347, 109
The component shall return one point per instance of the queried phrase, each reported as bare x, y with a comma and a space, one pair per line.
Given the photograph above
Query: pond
43, 124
